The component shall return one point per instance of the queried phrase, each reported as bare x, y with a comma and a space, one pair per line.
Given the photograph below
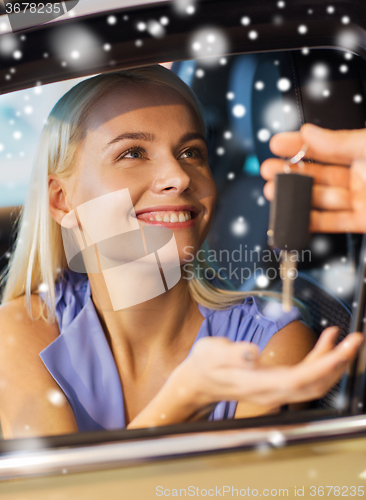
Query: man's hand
339, 191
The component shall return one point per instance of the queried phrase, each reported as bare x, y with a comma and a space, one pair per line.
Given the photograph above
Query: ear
57, 198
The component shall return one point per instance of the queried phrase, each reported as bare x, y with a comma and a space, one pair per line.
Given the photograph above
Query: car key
289, 223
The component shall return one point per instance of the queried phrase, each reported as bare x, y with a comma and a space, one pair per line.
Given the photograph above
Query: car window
245, 99
97, 220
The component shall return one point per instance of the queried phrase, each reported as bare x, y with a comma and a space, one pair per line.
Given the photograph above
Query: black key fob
290, 212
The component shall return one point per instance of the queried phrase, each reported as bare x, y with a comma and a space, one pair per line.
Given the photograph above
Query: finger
306, 380
248, 354
325, 175
269, 190
325, 343
331, 198
334, 146
335, 359
315, 379
326, 198
235, 354
286, 144
337, 222
328, 146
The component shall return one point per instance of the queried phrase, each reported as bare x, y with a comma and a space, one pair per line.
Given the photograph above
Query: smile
172, 217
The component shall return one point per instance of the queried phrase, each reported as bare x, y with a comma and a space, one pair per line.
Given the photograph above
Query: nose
171, 177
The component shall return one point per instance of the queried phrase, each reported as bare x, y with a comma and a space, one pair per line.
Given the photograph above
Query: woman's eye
192, 153
135, 153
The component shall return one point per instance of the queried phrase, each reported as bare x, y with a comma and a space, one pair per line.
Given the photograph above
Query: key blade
288, 275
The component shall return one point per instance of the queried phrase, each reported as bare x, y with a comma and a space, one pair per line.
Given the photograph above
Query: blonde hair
39, 256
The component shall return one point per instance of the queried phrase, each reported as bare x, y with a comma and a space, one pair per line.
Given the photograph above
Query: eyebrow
142, 136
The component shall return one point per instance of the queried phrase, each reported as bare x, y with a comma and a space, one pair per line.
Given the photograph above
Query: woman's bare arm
31, 403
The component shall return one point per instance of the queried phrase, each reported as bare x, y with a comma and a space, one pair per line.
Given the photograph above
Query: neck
155, 329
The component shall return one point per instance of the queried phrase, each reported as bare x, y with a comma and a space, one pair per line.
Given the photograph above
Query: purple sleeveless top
82, 364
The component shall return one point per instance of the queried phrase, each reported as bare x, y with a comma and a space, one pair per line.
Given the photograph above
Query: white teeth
172, 218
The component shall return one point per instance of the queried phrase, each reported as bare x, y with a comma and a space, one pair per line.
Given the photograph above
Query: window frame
104, 449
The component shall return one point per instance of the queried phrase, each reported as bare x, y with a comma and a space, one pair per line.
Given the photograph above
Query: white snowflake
283, 84
111, 20
264, 135
141, 26
239, 110
302, 29
239, 227
320, 70
155, 29
262, 281
210, 42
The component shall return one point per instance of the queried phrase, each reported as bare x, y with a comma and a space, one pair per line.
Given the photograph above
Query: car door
317, 452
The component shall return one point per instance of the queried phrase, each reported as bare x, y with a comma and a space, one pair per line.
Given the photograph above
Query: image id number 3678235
333, 491
32, 8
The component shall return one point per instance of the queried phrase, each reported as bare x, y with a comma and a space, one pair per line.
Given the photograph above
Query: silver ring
300, 155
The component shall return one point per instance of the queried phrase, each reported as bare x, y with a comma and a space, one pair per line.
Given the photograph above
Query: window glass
245, 100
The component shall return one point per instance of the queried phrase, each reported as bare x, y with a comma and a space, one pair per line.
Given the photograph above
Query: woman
164, 360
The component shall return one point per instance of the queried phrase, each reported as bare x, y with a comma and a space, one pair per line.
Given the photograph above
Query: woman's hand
339, 186
231, 371
218, 369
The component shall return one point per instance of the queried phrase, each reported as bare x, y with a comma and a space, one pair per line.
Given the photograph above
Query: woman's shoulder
27, 390
255, 319
21, 331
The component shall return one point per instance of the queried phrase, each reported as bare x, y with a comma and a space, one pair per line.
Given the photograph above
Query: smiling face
148, 139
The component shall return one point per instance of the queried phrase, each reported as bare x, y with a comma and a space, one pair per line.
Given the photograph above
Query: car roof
279, 32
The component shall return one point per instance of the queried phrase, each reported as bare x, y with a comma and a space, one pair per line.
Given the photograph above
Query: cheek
208, 196
90, 183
